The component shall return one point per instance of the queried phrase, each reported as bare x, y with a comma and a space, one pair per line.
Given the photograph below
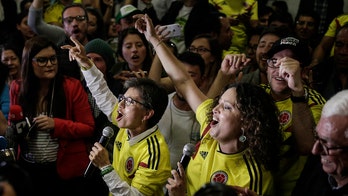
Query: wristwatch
301, 99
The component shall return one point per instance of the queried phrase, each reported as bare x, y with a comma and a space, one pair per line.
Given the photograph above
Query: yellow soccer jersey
211, 165
292, 163
335, 25
143, 161
53, 14
232, 8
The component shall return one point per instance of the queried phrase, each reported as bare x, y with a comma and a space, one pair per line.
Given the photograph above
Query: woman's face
45, 64
92, 24
25, 29
130, 111
134, 51
226, 124
202, 47
12, 61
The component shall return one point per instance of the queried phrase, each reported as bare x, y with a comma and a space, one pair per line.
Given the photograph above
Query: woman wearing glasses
141, 163
54, 151
211, 52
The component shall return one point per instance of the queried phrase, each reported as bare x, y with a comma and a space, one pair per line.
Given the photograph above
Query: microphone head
16, 113
189, 149
108, 132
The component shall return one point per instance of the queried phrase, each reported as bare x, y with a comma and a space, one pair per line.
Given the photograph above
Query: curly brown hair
259, 116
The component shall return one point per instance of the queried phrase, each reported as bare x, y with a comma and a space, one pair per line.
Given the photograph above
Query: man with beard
332, 75
265, 42
299, 106
75, 23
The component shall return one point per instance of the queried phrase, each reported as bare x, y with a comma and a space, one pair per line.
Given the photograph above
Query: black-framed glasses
199, 50
330, 150
272, 63
70, 19
42, 61
128, 101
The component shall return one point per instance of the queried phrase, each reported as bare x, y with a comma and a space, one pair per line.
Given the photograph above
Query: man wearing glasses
326, 173
75, 23
299, 107
332, 142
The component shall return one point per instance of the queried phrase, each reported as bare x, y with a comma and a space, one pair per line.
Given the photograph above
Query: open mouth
119, 116
214, 122
279, 78
76, 31
135, 57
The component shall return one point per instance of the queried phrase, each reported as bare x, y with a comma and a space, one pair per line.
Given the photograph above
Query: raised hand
290, 71
233, 63
78, 53
177, 184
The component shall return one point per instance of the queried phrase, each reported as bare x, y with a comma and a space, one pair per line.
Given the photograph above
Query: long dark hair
133, 31
30, 85
259, 116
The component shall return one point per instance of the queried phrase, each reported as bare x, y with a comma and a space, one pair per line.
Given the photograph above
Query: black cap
297, 46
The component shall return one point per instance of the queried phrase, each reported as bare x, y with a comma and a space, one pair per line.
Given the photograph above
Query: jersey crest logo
203, 154
118, 145
284, 117
220, 177
129, 164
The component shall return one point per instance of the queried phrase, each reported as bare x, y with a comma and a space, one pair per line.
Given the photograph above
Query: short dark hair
154, 96
193, 59
75, 5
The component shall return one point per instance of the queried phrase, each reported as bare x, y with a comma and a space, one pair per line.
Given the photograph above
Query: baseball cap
127, 10
297, 46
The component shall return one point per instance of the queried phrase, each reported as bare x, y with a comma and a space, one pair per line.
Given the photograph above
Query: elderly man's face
332, 145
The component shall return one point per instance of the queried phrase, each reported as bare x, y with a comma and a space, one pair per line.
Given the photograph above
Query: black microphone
187, 152
108, 132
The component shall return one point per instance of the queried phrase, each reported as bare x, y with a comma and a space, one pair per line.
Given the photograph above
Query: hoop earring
242, 138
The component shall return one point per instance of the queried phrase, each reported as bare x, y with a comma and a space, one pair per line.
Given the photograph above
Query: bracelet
106, 169
159, 43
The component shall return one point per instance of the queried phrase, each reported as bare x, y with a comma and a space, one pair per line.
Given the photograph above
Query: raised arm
40, 27
174, 68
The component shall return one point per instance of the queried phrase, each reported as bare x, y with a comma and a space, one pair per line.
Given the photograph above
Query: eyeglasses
272, 63
128, 101
42, 61
302, 23
330, 150
199, 50
70, 19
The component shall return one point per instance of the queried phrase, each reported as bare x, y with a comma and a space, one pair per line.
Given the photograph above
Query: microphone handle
91, 168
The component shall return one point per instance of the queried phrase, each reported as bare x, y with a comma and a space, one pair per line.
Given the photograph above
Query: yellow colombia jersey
53, 14
143, 162
211, 165
233, 8
292, 163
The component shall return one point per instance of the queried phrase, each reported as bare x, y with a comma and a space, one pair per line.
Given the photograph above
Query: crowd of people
261, 94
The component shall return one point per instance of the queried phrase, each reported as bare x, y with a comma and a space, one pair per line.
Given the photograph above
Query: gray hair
336, 105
